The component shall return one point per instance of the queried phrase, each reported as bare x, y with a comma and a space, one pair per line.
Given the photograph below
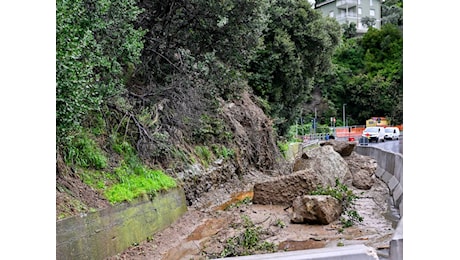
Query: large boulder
316, 209
362, 170
319, 166
324, 161
344, 148
283, 190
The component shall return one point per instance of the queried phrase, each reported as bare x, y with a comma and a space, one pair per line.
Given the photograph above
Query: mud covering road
201, 233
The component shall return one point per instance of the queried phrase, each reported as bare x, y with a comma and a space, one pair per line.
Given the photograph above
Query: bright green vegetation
284, 147
134, 179
346, 196
248, 242
145, 182
126, 182
279, 223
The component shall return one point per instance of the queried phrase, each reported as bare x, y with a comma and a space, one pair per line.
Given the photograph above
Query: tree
368, 21
298, 43
367, 75
227, 30
349, 30
383, 50
392, 12
96, 42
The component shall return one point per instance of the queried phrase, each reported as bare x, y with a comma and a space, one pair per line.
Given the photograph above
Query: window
359, 2
331, 14
359, 10
370, 2
372, 12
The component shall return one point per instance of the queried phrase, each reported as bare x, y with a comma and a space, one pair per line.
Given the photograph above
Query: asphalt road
390, 145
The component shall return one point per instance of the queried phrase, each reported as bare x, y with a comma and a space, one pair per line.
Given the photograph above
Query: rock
362, 169
316, 209
324, 161
344, 148
283, 190
362, 180
319, 166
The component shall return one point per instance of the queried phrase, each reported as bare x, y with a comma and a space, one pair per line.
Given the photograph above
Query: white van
392, 133
374, 133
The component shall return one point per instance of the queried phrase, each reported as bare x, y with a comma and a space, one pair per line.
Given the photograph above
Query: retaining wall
110, 231
390, 170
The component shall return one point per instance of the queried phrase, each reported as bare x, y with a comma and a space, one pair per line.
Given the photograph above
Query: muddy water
236, 198
192, 245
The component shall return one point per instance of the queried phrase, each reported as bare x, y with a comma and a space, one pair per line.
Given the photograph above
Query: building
377, 121
348, 11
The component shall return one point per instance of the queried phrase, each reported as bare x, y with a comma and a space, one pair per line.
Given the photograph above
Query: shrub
342, 193
84, 152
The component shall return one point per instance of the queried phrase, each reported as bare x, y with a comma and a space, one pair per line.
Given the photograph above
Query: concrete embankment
110, 231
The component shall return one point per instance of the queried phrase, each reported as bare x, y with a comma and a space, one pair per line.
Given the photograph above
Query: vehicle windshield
371, 130
388, 130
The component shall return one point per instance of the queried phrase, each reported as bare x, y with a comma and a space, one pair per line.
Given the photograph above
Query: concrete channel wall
110, 231
390, 170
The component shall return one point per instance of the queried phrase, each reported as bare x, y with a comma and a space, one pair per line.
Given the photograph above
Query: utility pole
314, 124
343, 110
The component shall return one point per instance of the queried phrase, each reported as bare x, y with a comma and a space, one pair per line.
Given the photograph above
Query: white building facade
348, 11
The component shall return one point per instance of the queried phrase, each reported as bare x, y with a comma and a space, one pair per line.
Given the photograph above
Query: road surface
390, 145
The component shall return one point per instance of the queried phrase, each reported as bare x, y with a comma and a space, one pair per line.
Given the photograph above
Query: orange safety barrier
352, 131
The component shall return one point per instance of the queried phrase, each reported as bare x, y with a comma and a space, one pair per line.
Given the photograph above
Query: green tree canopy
367, 75
95, 41
392, 12
226, 30
298, 43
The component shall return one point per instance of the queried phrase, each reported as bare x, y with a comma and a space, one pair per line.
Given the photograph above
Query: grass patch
133, 179
284, 147
98, 180
131, 186
83, 152
204, 154
223, 152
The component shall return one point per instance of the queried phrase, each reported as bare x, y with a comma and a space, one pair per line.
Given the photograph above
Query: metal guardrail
314, 137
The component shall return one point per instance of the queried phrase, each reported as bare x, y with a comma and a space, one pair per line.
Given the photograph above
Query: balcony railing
346, 3
347, 18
